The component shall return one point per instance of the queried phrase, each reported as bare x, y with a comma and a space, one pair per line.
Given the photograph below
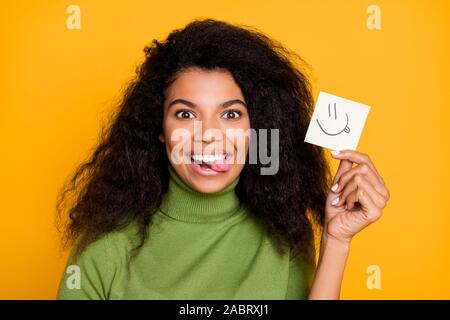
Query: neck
182, 202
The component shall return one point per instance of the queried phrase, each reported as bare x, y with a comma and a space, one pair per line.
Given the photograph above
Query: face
206, 128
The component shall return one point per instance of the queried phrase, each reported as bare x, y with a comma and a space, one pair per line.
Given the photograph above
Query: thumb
344, 166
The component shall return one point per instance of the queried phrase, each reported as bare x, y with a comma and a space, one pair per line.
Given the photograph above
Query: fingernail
334, 188
335, 152
336, 200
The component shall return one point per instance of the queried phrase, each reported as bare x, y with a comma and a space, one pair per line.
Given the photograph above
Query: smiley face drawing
334, 122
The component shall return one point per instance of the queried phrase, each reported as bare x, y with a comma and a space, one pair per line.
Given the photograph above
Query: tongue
219, 166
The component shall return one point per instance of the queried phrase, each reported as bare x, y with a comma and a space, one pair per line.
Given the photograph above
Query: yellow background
58, 86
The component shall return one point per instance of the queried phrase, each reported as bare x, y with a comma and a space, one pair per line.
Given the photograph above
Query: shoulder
111, 246
90, 275
123, 240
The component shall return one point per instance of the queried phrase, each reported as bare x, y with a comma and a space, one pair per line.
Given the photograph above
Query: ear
161, 138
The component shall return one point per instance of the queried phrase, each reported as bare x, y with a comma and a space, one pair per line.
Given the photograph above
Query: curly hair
126, 176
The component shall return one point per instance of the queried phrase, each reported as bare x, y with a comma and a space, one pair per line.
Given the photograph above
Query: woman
169, 205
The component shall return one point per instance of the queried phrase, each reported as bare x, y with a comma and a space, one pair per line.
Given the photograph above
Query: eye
184, 114
232, 114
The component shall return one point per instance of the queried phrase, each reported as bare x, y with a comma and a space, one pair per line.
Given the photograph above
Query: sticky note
336, 122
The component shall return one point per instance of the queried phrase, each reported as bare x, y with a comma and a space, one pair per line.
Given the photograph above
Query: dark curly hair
126, 176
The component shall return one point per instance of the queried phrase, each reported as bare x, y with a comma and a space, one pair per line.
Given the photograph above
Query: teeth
207, 157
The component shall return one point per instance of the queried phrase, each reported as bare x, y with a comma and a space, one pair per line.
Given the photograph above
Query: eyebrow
190, 104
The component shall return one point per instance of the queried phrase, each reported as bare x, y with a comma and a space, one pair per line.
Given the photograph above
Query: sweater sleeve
90, 276
301, 277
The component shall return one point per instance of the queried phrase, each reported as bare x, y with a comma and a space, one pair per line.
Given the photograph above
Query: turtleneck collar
182, 202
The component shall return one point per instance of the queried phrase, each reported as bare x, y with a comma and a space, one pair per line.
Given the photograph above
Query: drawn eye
332, 118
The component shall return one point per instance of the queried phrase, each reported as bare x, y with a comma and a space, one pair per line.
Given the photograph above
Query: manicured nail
334, 188
335, 152
335, 201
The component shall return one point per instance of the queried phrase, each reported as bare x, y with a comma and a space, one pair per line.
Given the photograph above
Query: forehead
201, 84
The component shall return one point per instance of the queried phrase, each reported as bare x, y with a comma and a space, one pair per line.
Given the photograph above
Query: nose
207, 130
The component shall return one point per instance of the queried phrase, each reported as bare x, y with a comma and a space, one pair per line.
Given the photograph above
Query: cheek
239, 143
177, 141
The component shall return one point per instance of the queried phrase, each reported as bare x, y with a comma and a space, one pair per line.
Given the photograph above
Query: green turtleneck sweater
200, 246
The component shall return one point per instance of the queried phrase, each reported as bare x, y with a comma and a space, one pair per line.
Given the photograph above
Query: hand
362, 196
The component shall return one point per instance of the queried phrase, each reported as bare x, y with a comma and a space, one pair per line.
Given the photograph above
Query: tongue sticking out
219, 165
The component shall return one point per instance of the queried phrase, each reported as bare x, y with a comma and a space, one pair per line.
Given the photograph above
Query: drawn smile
346, 128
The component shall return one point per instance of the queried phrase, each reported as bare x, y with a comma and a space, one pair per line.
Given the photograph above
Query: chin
204, 183
210, 184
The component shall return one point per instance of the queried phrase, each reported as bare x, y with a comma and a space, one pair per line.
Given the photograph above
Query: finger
365, 171
359, 181
344, 166
358, 158
370, 210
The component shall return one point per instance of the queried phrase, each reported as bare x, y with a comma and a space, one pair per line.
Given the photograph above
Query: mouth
210, 164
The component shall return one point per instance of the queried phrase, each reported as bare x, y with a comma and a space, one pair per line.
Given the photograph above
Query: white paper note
336, 123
